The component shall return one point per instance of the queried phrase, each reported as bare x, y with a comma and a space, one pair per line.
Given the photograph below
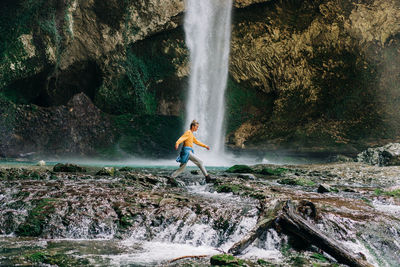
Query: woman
187, 152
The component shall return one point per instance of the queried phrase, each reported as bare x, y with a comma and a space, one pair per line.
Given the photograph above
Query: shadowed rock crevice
110, 12
83, 77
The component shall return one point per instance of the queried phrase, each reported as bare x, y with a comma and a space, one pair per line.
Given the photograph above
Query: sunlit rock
41, 163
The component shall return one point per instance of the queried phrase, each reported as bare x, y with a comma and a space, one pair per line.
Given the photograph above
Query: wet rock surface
75, 128
39, 208
388, 155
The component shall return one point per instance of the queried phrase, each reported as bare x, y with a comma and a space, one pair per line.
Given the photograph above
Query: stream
134, 217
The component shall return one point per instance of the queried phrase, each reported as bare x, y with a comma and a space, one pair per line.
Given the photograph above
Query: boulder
68, 167
106, 171
239, 169
323, 188
388, 155
247, 176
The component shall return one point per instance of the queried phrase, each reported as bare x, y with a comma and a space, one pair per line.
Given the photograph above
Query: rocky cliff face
313, 74
76, 128
330, 69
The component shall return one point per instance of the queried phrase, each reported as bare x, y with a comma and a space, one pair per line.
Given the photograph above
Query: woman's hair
194, 123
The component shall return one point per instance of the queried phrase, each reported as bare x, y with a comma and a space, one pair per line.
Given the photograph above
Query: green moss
35, 176
297, 181
16, 204
227, 188
264, 263
68, 167
226, 260
126, 169
221, 224
298, 261
37, 218
319, 257
273, 172
125, 221
22, 194
257, 195
107, 171
135, 90
37, 257
394, 193
61, 260
244, 103
23, 17
7, 116
240, 169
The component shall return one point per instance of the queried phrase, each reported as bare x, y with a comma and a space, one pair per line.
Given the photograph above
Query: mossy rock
299, 181
239, 169
37, 218
264, 263
61, 260
273, 172
221, 224
126, 169
226, 260
107, 171
68, 167
228, 188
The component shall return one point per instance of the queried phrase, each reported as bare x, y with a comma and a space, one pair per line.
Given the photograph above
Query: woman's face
194, 128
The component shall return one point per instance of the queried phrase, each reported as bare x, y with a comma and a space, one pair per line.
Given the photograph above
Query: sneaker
210, 179
172, 182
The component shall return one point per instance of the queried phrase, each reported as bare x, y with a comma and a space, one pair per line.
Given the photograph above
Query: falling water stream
208, 30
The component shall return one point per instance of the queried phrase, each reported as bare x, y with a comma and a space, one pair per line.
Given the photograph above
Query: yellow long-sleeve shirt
188, 139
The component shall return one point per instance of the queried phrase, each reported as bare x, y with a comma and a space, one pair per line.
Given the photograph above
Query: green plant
297, 261
37, 257
319, 257
393, 193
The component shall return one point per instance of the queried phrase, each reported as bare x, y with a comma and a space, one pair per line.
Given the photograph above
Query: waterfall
208, 29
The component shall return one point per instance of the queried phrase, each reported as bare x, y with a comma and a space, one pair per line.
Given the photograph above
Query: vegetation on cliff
316, 75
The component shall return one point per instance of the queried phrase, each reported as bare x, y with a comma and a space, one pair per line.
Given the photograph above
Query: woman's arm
197, 142
181, 139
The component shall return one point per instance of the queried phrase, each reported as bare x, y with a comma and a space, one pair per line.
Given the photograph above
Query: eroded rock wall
307, 74
330, 69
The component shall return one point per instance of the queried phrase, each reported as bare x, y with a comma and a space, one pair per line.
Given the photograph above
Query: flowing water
83, 215
208, 29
